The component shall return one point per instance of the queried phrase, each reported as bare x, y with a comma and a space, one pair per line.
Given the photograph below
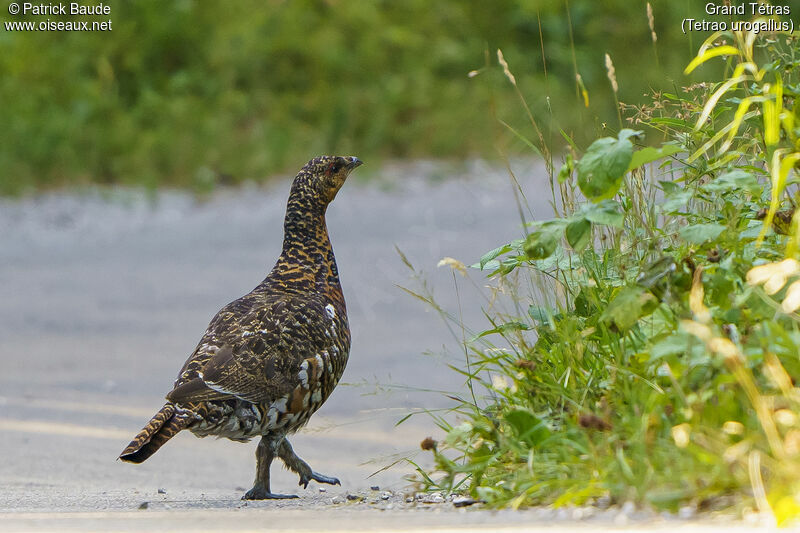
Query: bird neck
306, 261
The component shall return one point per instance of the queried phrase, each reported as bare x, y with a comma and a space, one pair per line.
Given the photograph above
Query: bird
268, 360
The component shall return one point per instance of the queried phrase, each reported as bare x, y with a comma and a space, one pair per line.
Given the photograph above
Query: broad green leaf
735, 180
578, 233
650, 154
701, 233
629, 305
492, 264
527, 427
627, 133
602, 167
542, 315
674, 344
752, 231
676, 201
605, 213
669, 187
543, 241
488, 256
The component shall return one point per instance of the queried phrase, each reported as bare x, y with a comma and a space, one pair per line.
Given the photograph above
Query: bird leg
265, 453
300, 467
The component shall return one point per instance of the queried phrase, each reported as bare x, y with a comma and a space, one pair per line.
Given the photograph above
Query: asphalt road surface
104, 294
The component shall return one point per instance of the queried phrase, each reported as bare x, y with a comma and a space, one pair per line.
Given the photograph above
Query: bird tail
164, 425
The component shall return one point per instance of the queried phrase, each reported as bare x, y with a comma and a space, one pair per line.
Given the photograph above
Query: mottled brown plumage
269, 359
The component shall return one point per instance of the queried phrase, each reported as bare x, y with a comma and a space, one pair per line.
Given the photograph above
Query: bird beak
354, 162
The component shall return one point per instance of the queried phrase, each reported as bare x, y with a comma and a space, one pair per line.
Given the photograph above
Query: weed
651, 350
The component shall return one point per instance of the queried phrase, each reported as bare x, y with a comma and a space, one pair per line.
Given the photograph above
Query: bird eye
334, 167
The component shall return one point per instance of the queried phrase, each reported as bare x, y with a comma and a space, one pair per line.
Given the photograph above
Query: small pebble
435, 497
375, 487
144, 505
336, 500
162, 491
409, 499
323, 489
463, 501
385, 495
354, 497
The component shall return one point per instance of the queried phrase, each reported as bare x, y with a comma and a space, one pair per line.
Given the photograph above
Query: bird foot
319, 478
258, 493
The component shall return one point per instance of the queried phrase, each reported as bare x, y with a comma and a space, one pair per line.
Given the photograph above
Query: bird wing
222, 376
252, 350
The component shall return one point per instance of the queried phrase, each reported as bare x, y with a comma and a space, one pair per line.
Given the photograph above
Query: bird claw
258, 493
319, 478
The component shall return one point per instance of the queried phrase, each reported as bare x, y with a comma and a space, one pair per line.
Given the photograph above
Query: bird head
323, 176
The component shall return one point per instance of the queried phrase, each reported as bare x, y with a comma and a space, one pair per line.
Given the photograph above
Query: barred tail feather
164, 425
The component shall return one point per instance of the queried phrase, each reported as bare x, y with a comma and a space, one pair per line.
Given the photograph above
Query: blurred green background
197, 93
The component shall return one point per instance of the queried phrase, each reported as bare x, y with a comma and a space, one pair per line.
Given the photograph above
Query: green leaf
735, 180
602, 167
566, 170
527, 427
488, 256
650, 154
503, 328
542, 315
674, 344
492, 264
605, 213
459, 433
543, 241
752, 231
669, 187
676, 201
701, 233
626, 133
578, 233
629, 305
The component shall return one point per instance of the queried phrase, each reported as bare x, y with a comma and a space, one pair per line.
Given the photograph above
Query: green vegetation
651, 347
191, 94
